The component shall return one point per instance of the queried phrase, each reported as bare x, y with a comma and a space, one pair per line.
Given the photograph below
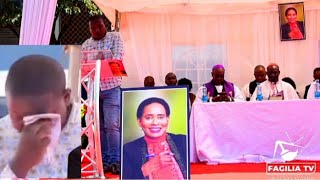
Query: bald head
259, 67
260, 73
35, 75
273, 72
272, 65
218, 75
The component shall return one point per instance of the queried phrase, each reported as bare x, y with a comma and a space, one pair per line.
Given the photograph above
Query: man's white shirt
69, 140
289, 93
311, 91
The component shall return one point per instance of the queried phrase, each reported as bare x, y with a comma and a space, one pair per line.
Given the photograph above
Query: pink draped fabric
248, 40
37, 21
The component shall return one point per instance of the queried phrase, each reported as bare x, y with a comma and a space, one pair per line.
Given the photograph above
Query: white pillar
74, 71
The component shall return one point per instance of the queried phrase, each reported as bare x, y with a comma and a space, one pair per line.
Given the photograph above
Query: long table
254, 131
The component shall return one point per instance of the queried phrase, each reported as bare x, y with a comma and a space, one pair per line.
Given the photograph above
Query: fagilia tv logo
288, 151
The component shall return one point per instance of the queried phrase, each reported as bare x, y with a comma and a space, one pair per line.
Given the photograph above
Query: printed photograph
117, 68
109, 67
154, 138
292, 21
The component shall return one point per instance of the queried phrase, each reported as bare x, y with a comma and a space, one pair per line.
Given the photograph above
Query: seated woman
157, 155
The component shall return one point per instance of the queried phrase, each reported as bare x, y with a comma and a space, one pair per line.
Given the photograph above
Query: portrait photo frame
137, 154
292, 21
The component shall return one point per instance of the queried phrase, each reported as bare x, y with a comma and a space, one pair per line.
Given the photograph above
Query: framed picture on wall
292, 21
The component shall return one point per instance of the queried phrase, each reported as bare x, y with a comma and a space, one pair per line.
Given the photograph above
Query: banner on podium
109, 67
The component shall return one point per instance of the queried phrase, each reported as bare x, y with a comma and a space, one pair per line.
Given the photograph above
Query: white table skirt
247, 131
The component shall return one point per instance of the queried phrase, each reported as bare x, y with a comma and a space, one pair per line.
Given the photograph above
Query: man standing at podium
109, 93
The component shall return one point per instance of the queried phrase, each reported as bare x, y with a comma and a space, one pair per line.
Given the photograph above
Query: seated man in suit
219, 89
316, 75
275, 88
260, 76
312, 86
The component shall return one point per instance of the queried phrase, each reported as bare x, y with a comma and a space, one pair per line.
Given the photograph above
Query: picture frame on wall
292, 21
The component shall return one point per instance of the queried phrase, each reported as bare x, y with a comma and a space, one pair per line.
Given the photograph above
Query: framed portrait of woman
154, 133
292, 21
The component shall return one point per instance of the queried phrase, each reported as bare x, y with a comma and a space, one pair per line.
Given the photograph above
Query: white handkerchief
55, 133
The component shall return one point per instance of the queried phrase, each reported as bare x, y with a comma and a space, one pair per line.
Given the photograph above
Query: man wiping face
36, 84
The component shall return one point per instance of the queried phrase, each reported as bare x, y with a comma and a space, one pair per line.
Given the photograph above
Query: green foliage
92, 8
10, 13
72, 7
11, 10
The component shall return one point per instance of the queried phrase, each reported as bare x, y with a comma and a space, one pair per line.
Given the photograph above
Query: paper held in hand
110, 67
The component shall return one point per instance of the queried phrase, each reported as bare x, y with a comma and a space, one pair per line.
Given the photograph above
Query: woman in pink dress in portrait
293, 29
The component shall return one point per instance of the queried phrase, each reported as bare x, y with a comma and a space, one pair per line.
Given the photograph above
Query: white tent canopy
247, 29
242, 33
196, 6
207, 7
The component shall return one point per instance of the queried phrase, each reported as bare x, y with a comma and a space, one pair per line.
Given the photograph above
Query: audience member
275, 88
316, 75
171, 79
219, 89
291, 82
185, 81
149, 81
260, 76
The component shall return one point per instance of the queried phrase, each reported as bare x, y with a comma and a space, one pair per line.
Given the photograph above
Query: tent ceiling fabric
198, 6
